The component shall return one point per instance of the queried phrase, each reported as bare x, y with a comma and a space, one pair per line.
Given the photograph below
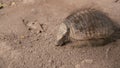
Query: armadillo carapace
85, 25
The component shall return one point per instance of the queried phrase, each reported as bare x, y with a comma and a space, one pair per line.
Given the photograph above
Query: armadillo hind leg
112, 38
116, 35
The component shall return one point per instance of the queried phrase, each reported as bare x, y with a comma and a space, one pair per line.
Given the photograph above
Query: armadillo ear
61, 35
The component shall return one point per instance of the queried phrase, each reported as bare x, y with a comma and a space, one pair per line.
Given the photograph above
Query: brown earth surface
28, 29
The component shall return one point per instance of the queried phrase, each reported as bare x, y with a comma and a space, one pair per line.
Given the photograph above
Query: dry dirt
28, 29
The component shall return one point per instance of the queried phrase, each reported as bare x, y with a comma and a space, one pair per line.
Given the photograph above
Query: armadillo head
62, 35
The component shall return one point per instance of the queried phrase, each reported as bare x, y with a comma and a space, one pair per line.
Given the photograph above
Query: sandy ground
28, 29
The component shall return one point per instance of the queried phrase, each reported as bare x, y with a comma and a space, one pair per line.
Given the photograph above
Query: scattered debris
90, 61
4, 36
13, 4
35, 26
51, 61
77, 66
85, 63
28, 1
22, 37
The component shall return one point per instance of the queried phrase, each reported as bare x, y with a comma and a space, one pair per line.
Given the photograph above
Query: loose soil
28, 31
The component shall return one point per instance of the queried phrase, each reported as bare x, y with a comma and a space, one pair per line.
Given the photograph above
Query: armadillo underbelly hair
86, 24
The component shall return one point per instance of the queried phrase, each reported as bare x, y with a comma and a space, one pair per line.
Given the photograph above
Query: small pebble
28, 1
90, 61
13, 4
22, 37
50, 61
77, 66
